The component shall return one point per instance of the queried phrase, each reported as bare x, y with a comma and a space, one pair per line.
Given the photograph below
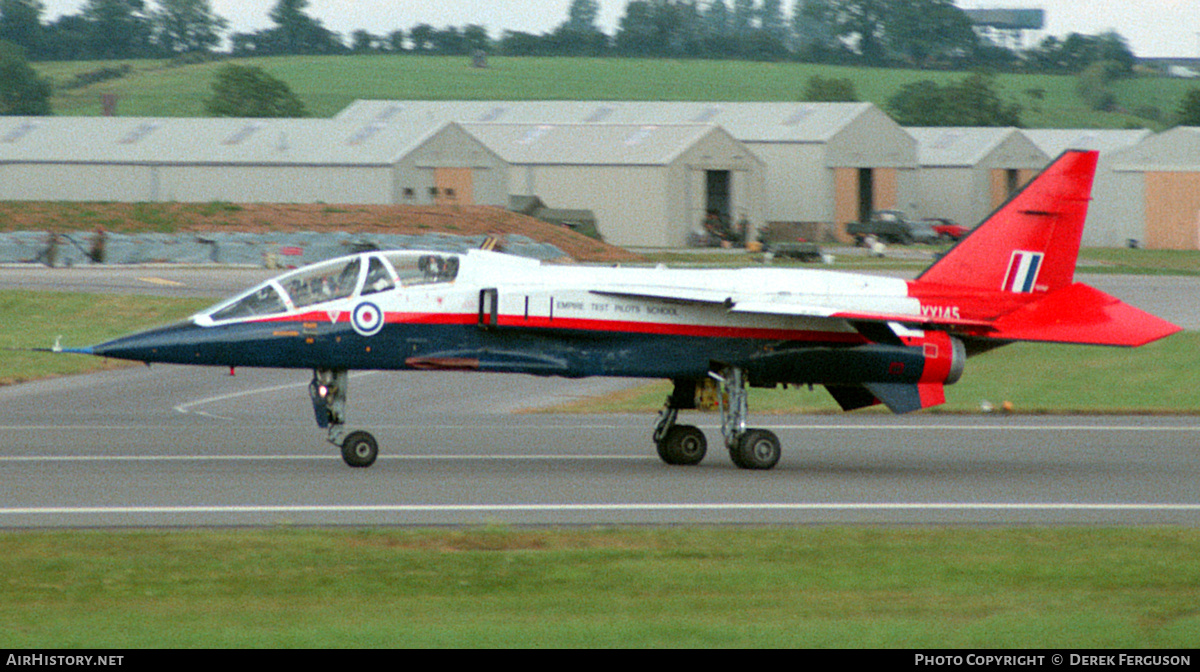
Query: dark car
947, 229
889, 226
923, 232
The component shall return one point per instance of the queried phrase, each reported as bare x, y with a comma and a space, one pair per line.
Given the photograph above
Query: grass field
35, 319
327, 84
838, 587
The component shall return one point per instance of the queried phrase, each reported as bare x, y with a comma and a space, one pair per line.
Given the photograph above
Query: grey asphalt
173, 446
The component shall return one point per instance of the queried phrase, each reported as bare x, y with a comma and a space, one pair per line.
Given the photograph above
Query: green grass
605, 587
327, 84
1139, 262
35, 319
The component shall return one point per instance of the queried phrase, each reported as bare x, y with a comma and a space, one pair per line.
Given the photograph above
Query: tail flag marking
1023, 267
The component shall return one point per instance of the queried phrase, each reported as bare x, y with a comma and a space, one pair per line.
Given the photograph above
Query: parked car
947, 229
923, 232
889, 226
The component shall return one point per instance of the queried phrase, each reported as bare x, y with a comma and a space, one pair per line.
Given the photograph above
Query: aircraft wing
853, 313
852, 308
674, 294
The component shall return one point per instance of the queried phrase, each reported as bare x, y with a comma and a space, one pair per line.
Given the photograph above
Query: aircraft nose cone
165, 344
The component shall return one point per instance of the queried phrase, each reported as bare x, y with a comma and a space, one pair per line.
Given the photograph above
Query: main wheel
359, 449
756, 449
683, 444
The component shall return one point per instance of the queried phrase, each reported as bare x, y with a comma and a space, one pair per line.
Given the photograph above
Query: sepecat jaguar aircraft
868, 339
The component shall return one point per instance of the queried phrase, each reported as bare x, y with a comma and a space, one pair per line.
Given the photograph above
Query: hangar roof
594, 144
1055, 141
374, 141
962, 146
748, 122
1176, 150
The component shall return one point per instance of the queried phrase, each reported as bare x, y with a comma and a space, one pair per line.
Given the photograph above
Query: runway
182, 447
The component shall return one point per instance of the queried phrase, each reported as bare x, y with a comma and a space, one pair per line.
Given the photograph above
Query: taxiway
178, 447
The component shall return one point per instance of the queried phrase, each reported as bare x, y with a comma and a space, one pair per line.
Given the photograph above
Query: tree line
916, 33
910, 33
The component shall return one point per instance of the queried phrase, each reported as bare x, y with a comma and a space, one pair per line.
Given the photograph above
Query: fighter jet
868, 339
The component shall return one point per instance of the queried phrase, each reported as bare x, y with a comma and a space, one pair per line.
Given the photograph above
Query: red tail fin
1030, 243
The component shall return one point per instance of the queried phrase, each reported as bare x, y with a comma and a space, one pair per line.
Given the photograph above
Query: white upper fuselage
536, 294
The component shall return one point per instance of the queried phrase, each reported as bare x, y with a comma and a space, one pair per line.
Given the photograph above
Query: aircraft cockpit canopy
360, 275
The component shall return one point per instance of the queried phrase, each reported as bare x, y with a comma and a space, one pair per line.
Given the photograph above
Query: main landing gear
328, 393
685, 444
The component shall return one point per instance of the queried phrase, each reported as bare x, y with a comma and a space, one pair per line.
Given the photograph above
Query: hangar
1160, 178
967, 172
648, 185
1107, 225
826, 163
378, 160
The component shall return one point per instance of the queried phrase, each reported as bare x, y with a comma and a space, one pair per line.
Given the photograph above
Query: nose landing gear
328, 393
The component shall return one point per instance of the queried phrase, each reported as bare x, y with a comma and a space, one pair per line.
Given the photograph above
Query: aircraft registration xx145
867, 339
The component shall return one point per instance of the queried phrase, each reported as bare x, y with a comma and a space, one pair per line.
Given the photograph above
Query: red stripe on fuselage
593, 325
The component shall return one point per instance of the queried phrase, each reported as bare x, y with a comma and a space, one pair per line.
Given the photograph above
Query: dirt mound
261, 217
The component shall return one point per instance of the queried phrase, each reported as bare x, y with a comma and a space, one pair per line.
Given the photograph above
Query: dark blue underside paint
512, 350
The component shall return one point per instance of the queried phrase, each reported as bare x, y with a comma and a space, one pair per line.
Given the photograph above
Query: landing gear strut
686, 445
748, 448
328, 393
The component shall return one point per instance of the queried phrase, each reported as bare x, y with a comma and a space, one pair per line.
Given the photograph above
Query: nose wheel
359, 449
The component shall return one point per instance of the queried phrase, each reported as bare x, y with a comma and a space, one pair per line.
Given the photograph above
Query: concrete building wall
798, 183
274, 184
955, 193
59, 181
451, 159
629, 202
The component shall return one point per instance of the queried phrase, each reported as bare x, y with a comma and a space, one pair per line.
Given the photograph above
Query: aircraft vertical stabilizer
1023, 257
1030, 243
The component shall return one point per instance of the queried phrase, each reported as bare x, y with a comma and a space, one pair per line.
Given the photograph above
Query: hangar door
1173, 211
454, 186
1008, 181
860, 191
717, 200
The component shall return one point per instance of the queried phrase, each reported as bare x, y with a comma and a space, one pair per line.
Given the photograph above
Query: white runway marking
242, 458
185, 408
881, 507
188, 406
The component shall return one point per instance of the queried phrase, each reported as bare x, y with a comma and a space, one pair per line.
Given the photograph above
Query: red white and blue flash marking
1022, 273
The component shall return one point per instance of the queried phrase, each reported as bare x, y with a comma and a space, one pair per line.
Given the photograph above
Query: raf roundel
367, 319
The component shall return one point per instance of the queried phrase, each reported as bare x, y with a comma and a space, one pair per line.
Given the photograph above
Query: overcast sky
1152, 27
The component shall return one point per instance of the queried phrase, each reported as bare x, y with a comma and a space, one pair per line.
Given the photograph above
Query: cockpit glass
378, 278
323, 282
338, 280
262, 301
421, 269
